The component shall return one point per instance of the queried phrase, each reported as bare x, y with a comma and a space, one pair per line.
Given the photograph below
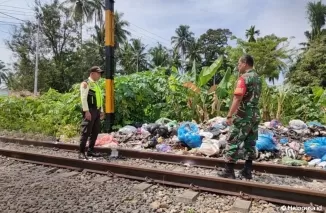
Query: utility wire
4, 1
12, 16
150, 32
148, 36
16, 7
9, 22
15, 12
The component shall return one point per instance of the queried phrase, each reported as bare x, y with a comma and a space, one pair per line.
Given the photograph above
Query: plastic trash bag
284, 140
209, 147
295, 146
315, 147
163, 121
265, 131
171, 125
163, 148
208, 135
297, 124
106, 140
314, 162
265, 143
314, 123
274, 123
128, 130
292, 162
322, 164
188, 133
323, 158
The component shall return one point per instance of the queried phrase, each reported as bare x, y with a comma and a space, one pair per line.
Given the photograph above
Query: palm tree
251, 32
98, 39
159, 56
124, 55
182, 40
194, 51
132, 56
98, 11
139, 55
316, 15
175, 59
81, 9
3, 73
120, 32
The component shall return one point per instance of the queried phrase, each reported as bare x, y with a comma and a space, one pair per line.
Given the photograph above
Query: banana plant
282, 94
199, 94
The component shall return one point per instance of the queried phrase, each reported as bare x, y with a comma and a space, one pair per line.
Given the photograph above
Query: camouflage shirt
249, 86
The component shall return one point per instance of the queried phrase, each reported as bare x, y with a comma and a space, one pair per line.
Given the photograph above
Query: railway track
248, 190
210, 163
28, 187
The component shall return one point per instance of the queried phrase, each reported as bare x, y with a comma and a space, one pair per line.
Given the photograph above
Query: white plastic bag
297, 124
209, 147
314, 162
322, 164
208, 135
128, 130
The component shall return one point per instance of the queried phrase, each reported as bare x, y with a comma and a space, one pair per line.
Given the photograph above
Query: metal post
109, 64
36, 56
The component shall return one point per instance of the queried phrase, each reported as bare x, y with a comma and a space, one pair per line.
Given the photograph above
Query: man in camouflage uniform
246, 117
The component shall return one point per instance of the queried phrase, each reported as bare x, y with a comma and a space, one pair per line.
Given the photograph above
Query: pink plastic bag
106, 140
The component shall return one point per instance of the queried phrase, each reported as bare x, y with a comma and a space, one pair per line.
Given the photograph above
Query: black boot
91, 153
246, 171
228, 172
82, 155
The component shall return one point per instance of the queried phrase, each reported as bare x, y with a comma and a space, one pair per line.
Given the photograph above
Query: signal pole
36, 56
109, 64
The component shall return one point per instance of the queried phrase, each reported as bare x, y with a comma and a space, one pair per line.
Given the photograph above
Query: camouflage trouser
241, 140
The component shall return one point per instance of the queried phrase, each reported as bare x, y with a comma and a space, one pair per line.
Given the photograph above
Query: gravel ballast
261, 178
27, 187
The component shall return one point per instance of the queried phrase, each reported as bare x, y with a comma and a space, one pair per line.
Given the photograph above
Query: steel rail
275, 194
205, 162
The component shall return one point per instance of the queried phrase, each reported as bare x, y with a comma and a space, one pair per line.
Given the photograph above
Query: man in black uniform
92, 104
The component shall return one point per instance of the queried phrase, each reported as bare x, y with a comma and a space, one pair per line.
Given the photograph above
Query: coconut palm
182, 40
81, 9
121, 33
159, 56
139, 55
194, 51
132, 56
316, 15
250, 34
98, 11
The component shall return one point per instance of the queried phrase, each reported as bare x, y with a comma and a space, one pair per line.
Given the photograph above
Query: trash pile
298, 144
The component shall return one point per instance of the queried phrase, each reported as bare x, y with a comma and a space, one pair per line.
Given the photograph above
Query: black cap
95, 69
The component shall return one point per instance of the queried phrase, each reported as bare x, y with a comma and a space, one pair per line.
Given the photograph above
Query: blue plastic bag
284, 140
315, 147
315, 123
265, 143
188, 133
323, 158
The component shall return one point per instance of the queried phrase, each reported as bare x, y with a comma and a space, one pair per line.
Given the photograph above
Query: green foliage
144, 96
140, 97
201, 97
270, 54
292, 102
52, 113
311, 68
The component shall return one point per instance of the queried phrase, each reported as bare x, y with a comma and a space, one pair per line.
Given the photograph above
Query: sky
156, 20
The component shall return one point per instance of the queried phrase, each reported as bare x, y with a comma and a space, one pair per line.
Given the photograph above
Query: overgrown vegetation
193, 80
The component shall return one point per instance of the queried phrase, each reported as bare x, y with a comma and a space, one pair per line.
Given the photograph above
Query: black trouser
90, 129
